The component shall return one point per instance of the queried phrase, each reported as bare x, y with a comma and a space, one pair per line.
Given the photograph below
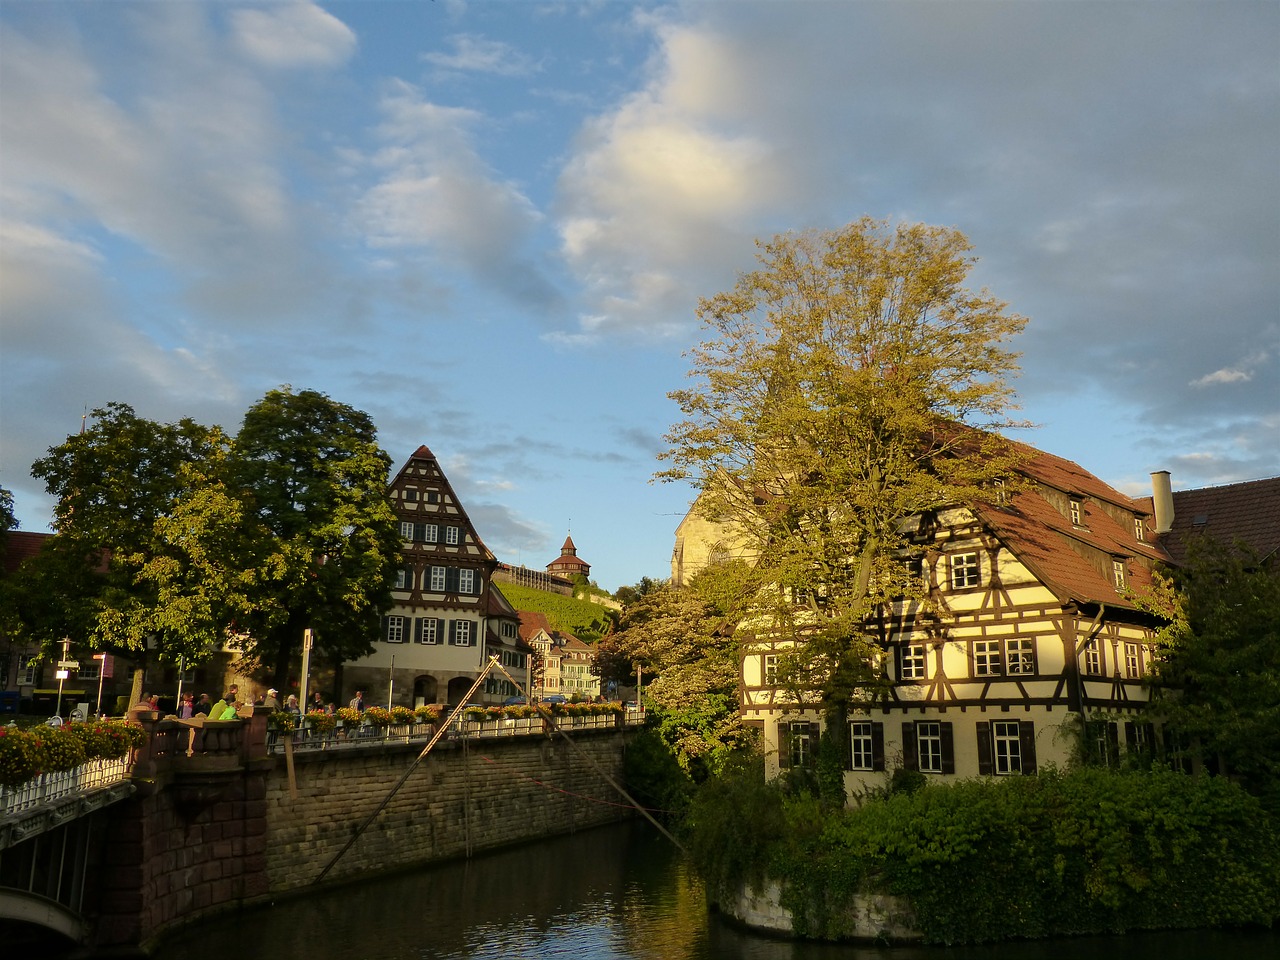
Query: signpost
103, 669
306, 667
65, 666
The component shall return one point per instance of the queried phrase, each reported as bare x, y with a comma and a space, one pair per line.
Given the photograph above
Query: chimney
1162, 501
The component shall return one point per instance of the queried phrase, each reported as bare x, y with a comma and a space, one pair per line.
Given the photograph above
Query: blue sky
489, 224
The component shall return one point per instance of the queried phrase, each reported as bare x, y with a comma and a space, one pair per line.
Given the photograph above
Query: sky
488, 224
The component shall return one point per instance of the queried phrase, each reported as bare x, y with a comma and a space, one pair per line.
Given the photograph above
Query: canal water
620, 892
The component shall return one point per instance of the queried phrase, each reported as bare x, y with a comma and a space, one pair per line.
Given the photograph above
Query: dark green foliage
585, 620
654, 777
1087, 852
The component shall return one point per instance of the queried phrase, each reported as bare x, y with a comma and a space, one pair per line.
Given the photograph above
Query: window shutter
1027, 738
784, 745
453, 632
948, 747
1130, 736
417, 629
984, 749
419, 532
909, 760
451, 580
386, 628
815, 731
877, 747
1113, 745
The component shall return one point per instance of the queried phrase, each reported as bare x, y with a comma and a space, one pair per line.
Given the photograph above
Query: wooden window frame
866, 746
989, 758
965, 570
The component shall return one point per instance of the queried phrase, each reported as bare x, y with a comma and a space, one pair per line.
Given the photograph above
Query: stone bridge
215, 817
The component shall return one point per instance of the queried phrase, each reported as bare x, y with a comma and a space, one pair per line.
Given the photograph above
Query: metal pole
62, 676
182, 663
391, 681
102, 667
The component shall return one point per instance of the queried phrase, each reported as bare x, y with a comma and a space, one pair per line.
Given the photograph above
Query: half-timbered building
447, 617
1033, 635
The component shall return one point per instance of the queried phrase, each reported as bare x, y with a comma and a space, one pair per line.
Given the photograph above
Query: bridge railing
51, 787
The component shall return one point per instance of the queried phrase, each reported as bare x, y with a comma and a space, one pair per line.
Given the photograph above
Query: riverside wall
229, 826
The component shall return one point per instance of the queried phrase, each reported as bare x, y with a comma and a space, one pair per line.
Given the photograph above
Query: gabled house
446, 617
565, 664
1034, 643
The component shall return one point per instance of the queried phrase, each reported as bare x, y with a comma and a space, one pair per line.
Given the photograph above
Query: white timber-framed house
447, 616
1034, 646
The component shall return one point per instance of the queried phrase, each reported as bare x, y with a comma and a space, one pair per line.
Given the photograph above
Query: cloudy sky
488, 224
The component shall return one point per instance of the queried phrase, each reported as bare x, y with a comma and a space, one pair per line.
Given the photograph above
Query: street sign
68, 664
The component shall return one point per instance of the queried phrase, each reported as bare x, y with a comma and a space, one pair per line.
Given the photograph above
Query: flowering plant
427, 713
519, 711
401, 715
283, 721
494, 713
321, 722
349, 716
21, 756
378, 716
476, 714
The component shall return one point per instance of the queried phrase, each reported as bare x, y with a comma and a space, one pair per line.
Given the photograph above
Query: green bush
1092, 851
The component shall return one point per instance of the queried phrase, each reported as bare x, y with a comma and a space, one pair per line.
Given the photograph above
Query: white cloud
295, 34
474, 54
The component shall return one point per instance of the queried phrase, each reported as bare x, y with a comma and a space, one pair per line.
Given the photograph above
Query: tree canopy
174, 537
1217, 676
850, 383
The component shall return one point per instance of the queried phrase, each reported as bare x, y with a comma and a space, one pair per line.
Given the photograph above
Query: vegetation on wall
1089, 851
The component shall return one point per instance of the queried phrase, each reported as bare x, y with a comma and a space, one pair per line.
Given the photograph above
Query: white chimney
1162, 501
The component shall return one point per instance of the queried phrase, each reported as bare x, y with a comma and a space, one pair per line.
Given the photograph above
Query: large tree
117, 484
848, 385
314, 481
1217, 677
682, 640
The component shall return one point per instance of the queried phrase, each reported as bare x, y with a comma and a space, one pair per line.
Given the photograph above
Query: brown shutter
909, 758
1027, 739
1130, 736
948, 747
784, 745
985, 767
1113, 744
877, 747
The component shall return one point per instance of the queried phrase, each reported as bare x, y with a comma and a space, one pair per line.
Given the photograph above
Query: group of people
232, 705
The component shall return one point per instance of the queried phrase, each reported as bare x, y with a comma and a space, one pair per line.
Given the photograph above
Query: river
614, 893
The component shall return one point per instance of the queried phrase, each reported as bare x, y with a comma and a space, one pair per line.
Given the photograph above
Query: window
91, 669
1006, 747
451, 536
911, 661
403, 579
438, 579
1021, 656
1132, 661
1117, 572
986, 658
466, 581
1139, 529
428, 630
770, 669
432, 497
796, 742
406, 530
460, 633
411, 494
1139, 738
866, 742
27, 665
394, 632
966, 571
1075, 513
428, 532
1093, 658
929, 746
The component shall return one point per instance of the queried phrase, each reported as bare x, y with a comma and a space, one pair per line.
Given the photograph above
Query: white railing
50, 787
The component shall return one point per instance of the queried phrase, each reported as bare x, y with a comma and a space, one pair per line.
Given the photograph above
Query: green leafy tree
1217, 677
116, 484
835, 401
313, 480
682, 639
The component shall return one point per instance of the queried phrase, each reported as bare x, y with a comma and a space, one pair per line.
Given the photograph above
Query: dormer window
1117, 572
1076, 514
1139, 529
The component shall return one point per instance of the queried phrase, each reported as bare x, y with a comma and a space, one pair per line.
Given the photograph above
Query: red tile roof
20, 545
1248, 511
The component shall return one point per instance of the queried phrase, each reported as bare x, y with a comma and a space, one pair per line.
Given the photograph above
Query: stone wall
467, 795
226, 826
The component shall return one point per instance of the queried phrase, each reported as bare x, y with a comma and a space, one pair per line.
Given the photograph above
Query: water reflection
615, 893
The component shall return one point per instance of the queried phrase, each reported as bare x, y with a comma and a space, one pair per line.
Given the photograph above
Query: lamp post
306, 668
